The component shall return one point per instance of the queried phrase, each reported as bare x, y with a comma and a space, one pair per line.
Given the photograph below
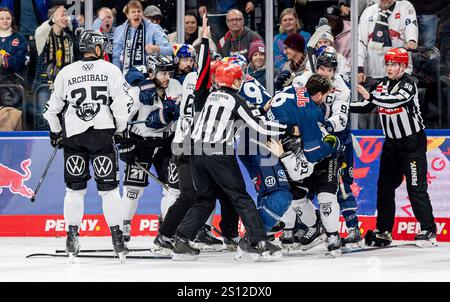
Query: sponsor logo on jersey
302, 99
15, 42
75, 165
270, 181
397, 16
390, 111
102, 166
87, 67
281, 175
173, 173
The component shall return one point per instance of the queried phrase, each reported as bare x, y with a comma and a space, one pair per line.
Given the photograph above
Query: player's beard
186, 70
161, 84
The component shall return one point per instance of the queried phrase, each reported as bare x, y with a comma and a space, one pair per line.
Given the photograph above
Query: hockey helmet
396, 55
157, 63
90, 39
183, 51
326, 56
226, 73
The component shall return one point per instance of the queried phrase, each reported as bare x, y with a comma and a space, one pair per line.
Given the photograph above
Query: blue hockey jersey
293, 106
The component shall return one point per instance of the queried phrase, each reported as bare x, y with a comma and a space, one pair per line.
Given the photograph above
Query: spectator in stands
105, 24
426, 11
192, 33
217, 12
341, 30
289, 24
345, 10
131, 47
13, 54
167, 12
382, 26
323, 37
29, 14
257, 66
294, 46
153, 13
10, 118
54, 43
238, 39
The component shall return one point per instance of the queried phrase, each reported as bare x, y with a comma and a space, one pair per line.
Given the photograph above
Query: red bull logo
14, 180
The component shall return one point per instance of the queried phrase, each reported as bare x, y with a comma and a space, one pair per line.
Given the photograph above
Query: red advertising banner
147, 225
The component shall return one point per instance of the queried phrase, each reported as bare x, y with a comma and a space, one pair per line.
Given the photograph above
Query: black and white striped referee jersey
398, 107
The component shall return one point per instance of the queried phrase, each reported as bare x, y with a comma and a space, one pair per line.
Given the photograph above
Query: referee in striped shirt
404, 149
215, 167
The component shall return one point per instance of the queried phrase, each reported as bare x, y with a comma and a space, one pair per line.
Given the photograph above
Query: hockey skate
118, 243
314, 236
261, 251
353, 240
288, 240
231, 244
162, 245
206, 241
426, 239
183, 250
333, 243
377, 238
72, 242
126, 230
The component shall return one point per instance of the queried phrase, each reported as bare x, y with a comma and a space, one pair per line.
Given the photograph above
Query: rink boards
23, 156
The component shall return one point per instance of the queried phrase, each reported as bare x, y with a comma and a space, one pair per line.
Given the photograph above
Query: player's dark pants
188, 196
406, 156
95, 145
211, 173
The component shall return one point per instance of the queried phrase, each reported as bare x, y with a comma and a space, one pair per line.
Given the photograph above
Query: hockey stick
163, 185
137, 122
104, 251
44, 174
98, 256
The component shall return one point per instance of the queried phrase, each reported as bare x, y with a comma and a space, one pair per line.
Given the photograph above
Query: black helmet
157, 63
90, 39
327, 56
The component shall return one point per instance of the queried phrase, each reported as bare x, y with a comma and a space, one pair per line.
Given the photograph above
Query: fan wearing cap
340, 28
184, 59
153, 14
294, 47
404, 149
257, 66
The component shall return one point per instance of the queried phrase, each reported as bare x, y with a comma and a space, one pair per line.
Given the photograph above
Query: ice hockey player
404, 150
301, 107
214, 165
92, 97
336, 108
149, 143
184, 60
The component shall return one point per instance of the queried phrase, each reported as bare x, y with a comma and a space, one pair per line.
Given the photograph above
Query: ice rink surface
404, 264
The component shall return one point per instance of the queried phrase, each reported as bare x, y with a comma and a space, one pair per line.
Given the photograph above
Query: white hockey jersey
338, 101
89, 93
186, 118
402, 28
173, 92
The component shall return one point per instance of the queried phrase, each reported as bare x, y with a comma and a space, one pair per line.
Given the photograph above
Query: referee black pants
404, 157
188, 195
212, 174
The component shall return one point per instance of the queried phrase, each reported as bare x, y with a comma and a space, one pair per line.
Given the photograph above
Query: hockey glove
171, 110
127, 150
329, 127
147, 94
56, 139
283, 80
335, 142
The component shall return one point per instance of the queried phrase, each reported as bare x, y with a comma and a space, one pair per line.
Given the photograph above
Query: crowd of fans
38, 38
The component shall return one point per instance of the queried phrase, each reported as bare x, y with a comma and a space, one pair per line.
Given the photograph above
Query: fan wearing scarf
54, 43
137, 39
149, 142
382, 26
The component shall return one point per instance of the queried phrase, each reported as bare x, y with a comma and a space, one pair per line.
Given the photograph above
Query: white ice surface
394, 264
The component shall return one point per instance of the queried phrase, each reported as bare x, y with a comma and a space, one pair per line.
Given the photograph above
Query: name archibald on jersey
88, 78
